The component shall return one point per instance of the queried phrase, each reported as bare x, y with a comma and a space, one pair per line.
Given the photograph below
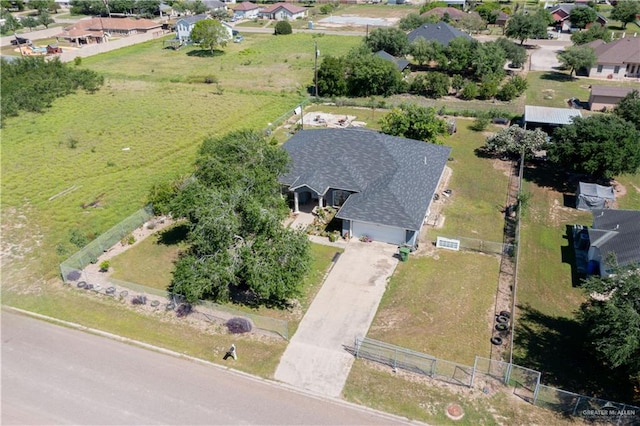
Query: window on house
599, 68
616, 69
633, 70
339, 197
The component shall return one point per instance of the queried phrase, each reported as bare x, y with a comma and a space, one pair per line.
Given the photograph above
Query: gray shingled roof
613, 91
394, 178
549, 115
193, 18
441, 32
400, 63
617, 231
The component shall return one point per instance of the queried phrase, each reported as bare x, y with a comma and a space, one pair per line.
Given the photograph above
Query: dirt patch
324, 119
504, 166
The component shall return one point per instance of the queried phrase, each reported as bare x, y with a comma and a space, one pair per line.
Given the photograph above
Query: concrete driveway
315, 359
545, 58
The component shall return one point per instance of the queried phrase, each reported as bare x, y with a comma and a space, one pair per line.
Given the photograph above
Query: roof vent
438, 27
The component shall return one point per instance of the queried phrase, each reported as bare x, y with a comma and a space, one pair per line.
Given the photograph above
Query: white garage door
386, 234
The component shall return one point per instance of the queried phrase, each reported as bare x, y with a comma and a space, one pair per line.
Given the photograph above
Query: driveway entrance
343, 309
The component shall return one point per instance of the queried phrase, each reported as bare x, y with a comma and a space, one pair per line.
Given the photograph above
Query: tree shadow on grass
205, 53
558, 347
546, 174
556, 76
175, 235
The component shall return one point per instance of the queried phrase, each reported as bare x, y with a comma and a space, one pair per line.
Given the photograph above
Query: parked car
20, 40
238, 39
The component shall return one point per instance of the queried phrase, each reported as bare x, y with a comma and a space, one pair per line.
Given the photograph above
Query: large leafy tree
577, 57
513, 52
414, 122
515, 141
594, 32
600, 145
612, 318
424, 51
332, 77
23, 80
629, 108
523, 26
370, 75
210, 33
392, 40
460, 54
411, 22
581, 16
488, 59
472, 23
489, 11
234, 210
625, 12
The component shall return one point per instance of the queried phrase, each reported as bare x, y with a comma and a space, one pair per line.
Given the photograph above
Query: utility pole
315, 69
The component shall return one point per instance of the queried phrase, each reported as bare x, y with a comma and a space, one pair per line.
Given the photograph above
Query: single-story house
561, 13
97, 30
592, 196
185, 25
454, 13
214, 5
614, 232
548, 117
382, 185
246, 10
617, 59
607, 97
441, 32
282, 11
400, 63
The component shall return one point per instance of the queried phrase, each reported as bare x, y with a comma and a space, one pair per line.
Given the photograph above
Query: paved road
343, 309
55, 375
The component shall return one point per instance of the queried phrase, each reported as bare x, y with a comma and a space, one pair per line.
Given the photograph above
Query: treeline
31, 84
466, 68
147, 8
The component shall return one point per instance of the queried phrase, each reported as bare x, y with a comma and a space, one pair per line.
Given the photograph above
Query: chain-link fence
491, 247
402, 358
591, 409
523, 382
73, 266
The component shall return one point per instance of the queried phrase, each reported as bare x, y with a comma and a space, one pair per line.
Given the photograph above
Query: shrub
480, 124
77, 60
488, 87
239, 325
77, 238
520, 83
283, 28
469, 91
104, 265
507, 92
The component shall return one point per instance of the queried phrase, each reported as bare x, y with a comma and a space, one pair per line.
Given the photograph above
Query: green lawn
552, 89
440, 305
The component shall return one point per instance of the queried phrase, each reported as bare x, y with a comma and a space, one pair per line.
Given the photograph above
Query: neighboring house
457, 3
401, 64
96, 30
382, 185
617, 59
440, 12
214, 5
185, 25
592, 196
167, 11
246, 10
614, 232
561, 12
283, 11
607, 97
548, 118
441, 32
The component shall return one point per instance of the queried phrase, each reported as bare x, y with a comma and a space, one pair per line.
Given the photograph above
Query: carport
548, 118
